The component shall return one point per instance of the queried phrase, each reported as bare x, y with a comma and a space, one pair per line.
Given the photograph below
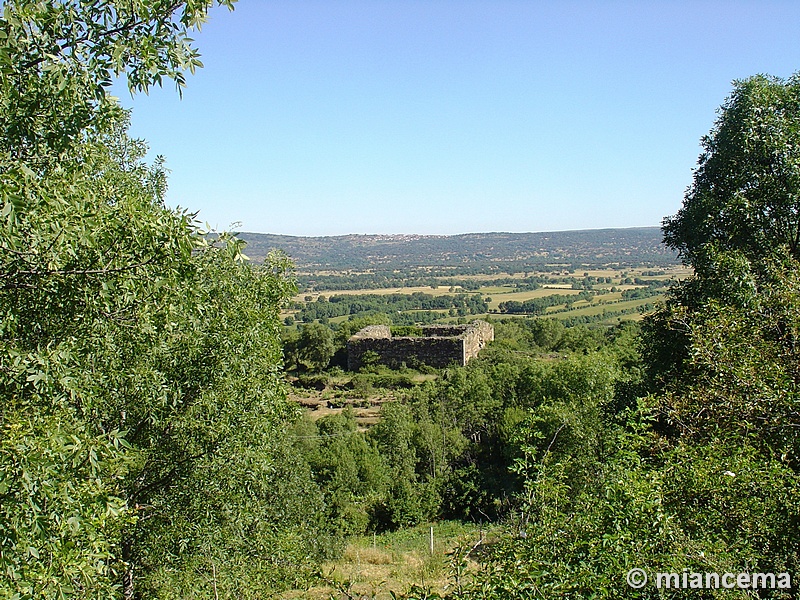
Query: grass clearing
609, 297
497, 289
374, 566
597, 309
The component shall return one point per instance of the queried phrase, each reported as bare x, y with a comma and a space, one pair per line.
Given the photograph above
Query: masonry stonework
438, 346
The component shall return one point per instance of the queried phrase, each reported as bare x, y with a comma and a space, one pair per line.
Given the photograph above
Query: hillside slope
634, 246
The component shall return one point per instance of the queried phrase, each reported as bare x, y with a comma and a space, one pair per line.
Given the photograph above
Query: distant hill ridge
635, 245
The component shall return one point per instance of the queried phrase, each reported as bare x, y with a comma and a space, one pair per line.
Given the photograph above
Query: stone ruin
438, 346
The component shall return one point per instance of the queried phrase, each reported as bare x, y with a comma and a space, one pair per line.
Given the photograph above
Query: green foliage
546, 333
392, 305
61, 511
455, 438
543, 335
696, 511
676, 480
741, 370
142, 436
349, 470
57, 58
393, 436
156, 351
537, 306
311, 349
745, 190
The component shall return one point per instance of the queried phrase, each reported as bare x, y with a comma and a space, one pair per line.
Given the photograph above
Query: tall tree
746, 189
142, 405
722, 352
740, 219
315, 346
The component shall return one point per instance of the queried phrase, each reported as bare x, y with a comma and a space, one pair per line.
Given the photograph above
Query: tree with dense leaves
143, 411
315, 346
746, 189
58, 57
740, 219
722, 353
724, 347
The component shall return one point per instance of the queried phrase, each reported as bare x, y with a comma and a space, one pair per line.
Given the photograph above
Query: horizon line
239, 232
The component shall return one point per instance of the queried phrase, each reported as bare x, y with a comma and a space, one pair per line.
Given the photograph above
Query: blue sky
454, 116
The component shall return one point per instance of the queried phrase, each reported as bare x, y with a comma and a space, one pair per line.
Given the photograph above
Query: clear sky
325, 117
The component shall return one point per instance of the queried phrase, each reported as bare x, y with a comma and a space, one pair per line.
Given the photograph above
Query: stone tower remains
438, 346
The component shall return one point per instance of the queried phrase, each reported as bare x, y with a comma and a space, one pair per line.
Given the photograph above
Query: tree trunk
127, 577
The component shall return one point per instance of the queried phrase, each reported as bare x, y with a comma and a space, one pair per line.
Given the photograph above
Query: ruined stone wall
374, 332
476, 337
394, 352
439, 346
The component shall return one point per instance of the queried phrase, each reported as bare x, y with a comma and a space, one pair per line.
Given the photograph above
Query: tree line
520, 275
537, 306
358, 304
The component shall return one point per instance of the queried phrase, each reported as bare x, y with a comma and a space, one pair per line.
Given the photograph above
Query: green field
605, 284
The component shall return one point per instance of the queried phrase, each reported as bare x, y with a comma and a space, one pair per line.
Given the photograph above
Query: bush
312, 382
